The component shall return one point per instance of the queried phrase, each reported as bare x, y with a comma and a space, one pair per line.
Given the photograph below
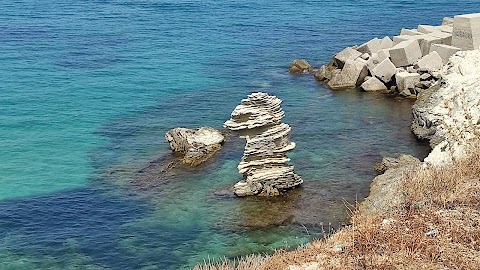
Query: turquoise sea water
88, 88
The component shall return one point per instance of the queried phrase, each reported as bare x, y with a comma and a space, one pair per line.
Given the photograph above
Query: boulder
466, 31
370, 47
445, 51
409, 32
406, 82
373, 84
346, 54
264, 162
384, 71
405, 53
386, 43
197, 145
299, 66
431, 62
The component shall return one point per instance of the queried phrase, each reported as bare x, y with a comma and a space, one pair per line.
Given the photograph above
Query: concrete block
386, 43
352, 74
446, 37
384, 70
398, 39
320, 73
444, 51
373, 84
372, 46
466, 31
405, 53
406, 81
409, 32
426, 41
431, 62
372, 62
347, 54
383, 54
447, 21
427, 29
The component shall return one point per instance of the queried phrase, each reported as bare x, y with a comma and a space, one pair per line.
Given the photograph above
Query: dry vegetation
436, 226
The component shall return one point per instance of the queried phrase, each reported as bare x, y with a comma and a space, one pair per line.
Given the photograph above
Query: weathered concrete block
373, 84
427, 29
386, 43
466, 31
446, 37
346, 54
406, 81
444, 51
426, 42
299, 66
372, 62
384, 70
409, 32
352, 74
370, 47
431, 62
405, 53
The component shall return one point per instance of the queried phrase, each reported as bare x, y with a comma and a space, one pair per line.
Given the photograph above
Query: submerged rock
263, 165
197, 145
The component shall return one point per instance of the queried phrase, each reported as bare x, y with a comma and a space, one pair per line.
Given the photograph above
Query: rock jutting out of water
197, 145
264, 163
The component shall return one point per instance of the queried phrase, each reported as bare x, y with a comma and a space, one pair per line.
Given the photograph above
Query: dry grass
437, 226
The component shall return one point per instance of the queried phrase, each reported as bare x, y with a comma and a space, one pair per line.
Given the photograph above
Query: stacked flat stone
264, 163
397, 65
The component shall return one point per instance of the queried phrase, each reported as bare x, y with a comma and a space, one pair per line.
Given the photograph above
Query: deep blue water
88, 89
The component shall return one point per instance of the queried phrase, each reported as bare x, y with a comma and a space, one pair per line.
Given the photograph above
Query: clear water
88, 88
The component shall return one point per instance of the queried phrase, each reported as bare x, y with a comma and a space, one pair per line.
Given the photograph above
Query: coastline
406, 200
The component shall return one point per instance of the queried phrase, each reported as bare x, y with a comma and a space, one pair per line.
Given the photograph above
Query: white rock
384, 71
405, 53
431, 62
449, 117
264, 162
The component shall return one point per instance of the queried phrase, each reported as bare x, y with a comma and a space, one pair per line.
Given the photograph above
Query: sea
88, 89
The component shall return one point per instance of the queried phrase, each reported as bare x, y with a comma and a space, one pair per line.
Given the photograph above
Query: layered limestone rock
197, 145
264, 162
449, 115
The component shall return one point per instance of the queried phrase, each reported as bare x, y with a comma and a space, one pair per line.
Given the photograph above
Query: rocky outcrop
449, 115
197, 145
395, 163
264, 163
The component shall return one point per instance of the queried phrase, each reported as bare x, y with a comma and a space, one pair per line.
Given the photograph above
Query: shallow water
89, 88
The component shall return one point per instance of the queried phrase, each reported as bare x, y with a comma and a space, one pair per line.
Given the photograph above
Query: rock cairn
264, 162
407, 64
197, 145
